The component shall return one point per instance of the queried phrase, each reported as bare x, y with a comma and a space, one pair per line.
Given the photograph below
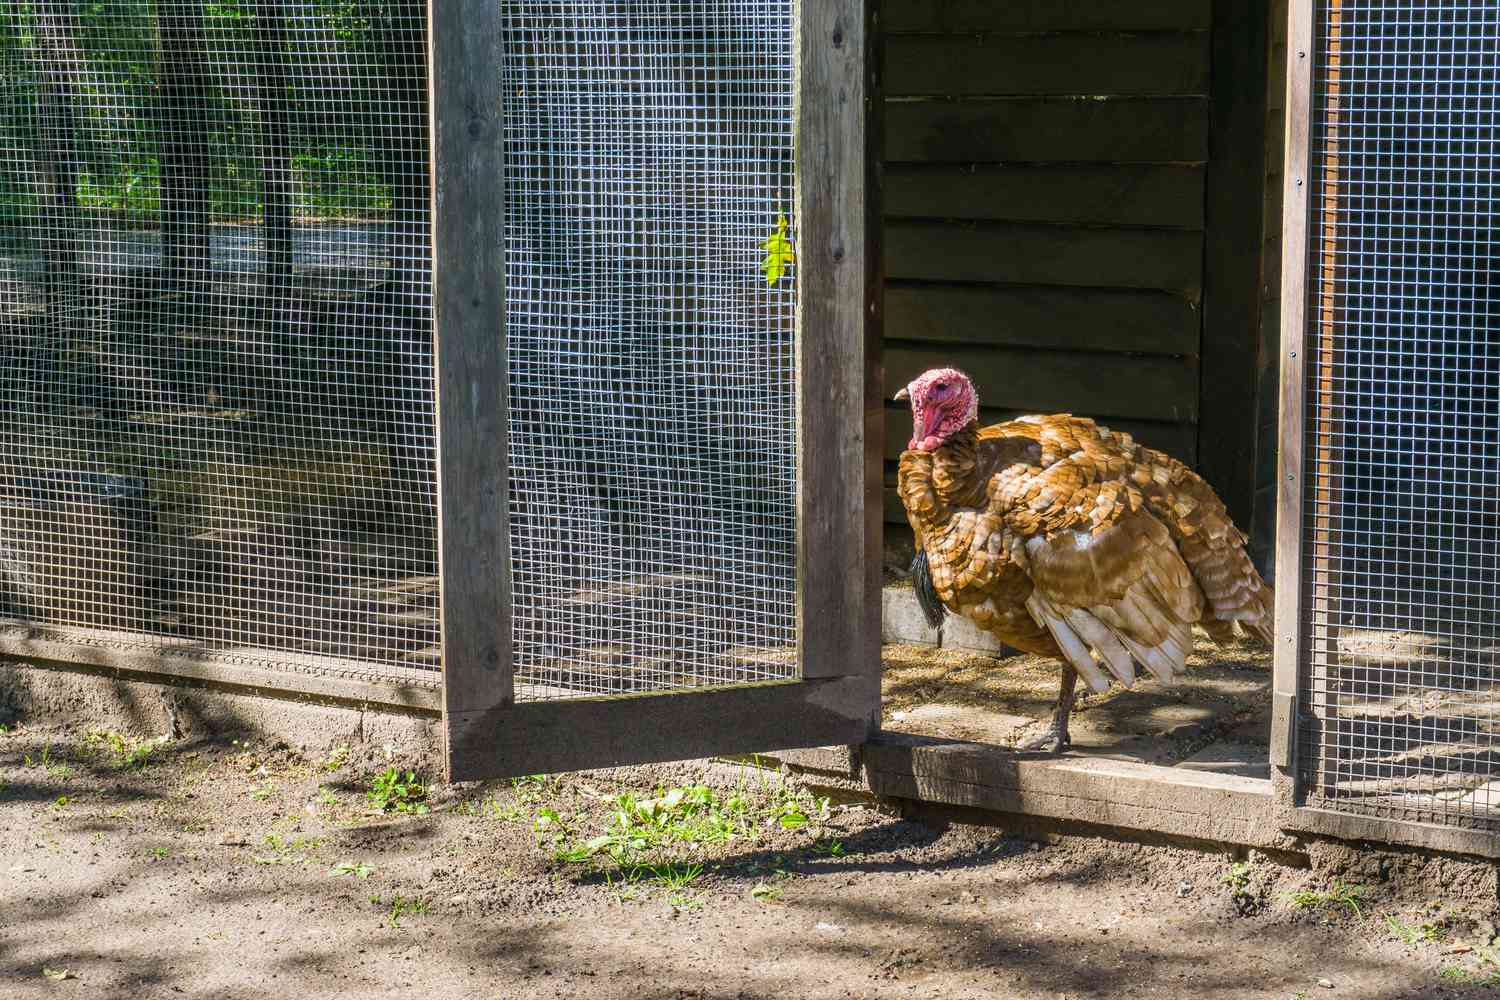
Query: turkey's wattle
1066, 539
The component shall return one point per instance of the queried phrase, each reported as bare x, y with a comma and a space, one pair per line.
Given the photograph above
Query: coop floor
236, 871
1216, 718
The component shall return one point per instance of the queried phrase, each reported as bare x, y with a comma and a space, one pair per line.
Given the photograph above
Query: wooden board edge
544, 737
1123, 794
1296, 218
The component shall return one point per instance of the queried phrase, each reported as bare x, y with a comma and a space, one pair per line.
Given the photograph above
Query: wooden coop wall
1267, 421
1074, 198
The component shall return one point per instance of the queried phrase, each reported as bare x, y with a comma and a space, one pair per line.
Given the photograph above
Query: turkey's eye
941, 387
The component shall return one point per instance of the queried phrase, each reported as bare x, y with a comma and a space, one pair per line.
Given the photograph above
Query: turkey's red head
943, 402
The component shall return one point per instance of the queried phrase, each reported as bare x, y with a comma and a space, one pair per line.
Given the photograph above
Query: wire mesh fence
216, 326
649, 163
1402, 519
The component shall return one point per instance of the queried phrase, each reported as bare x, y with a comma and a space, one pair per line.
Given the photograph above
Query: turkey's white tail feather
1105, 635
1072, 646
1102, 637
1157, 662
1175, 650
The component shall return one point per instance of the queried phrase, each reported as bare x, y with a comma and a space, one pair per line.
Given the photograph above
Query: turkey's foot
1054, 741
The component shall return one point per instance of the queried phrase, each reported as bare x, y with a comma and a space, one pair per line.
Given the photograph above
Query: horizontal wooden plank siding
1153, 388
1093, 194
1045, 255
1176, 439
1091, 129
979, 65
1235, 182
1045, 15
1076, 319
1044, 208
1180, 440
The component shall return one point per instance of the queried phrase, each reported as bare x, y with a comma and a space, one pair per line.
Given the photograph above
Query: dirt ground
1224, 700
1219, 709
132, 867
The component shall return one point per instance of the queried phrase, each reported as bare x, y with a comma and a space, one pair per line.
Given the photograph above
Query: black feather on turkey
927, 595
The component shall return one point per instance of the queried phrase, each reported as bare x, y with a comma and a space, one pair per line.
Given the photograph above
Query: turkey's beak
903, 394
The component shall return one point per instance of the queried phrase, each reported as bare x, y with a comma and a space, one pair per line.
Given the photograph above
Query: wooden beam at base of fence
544, 737
1382, 832
1172, 801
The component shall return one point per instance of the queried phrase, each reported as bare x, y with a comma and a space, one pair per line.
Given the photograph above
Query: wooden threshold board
1175, 801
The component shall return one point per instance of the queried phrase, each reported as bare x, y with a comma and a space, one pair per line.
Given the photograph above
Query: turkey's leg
1056, 739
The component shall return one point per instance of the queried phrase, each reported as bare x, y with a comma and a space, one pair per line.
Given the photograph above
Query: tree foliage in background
317, 106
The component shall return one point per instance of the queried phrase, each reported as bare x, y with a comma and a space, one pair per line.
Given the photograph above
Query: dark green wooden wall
1050, 202
1263, 529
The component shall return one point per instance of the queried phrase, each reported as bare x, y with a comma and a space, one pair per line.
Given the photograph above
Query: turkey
1069, 540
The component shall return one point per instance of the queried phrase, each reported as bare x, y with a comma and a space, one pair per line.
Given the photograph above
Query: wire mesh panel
1401, 569
215, 330
650, 305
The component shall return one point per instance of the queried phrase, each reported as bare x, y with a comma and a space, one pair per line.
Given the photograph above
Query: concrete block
91, 697
840, 761
964, 636
902, 618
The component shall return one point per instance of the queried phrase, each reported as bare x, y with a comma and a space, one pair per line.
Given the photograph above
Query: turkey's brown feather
1067, 539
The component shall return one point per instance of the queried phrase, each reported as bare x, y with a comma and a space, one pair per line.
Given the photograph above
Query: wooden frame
840, 421
468, 298
1296, 217
1297, 606
1298, 602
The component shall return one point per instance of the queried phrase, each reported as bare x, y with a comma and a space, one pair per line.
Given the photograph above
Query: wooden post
840, 418
1299, 637
468, 297
1233, 225
1296, 216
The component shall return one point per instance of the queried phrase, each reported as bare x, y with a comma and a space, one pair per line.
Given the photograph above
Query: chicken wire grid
1401, 620
215, 331
650, 320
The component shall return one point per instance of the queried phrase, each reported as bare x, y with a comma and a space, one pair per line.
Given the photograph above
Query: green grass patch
1338, 896
392, 791
125, 753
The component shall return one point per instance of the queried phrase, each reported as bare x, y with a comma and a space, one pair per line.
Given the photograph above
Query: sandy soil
1224, 697
235, 870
